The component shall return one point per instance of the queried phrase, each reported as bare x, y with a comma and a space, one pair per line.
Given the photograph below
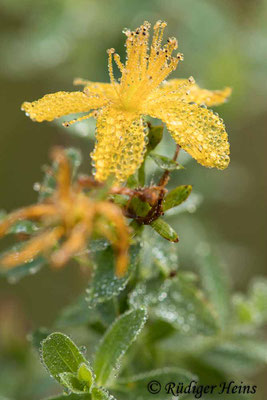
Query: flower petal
56, 105
197, 130
196, 94
120, 144
105, 90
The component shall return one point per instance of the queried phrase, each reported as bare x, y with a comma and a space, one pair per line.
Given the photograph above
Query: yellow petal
56, 105
120, 144
196, 94
105, 90
197, 130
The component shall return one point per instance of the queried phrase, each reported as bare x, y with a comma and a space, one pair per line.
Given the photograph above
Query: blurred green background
46, 43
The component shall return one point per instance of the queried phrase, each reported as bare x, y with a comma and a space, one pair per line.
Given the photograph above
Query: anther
191, 79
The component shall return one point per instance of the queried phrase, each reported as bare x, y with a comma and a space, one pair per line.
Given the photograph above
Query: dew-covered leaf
13, 275
178, 302
164, 162
190, 205
176, 196
101, 394
164, 230
155, 135
105, 284
156, 255
85, 374
59, 354
137, 385
215, 284
115, 343
139, 207
72, 396
72, 383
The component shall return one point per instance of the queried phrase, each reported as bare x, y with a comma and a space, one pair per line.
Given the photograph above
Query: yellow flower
142, 90
69, 218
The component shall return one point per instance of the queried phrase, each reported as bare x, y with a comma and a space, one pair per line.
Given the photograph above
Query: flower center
144, 70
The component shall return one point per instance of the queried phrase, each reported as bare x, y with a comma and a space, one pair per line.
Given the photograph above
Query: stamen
118, 62
73, 121
110, 66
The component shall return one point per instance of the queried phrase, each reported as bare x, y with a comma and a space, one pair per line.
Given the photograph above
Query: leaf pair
67, 364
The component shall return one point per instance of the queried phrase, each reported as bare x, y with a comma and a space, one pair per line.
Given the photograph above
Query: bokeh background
46, 43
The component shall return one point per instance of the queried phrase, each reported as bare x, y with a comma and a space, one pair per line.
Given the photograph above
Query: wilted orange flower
69, 218
142, 90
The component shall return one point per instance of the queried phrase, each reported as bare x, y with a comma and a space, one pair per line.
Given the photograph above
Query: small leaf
115, 343
164, 230
164, 162
119, 199
105, 284
59, 354
85, 374
139, 207
155, 135
137, 385
176, 196
132, 181
101, 394
71, 382
177, 302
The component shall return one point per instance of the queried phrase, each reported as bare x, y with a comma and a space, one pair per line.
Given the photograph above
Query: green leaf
137, 385
115, 343
101, 394
85, 374
132, 181
155, 135
59, 354
139, 207
176, 196
13, 275
71, 382
119, 199
164, 230
177, 302
216, 285
165, 163
105, 284
73, 396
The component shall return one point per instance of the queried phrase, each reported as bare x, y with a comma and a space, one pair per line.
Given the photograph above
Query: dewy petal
56, 105
195, 93
197, 130
120, 146
105, 90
